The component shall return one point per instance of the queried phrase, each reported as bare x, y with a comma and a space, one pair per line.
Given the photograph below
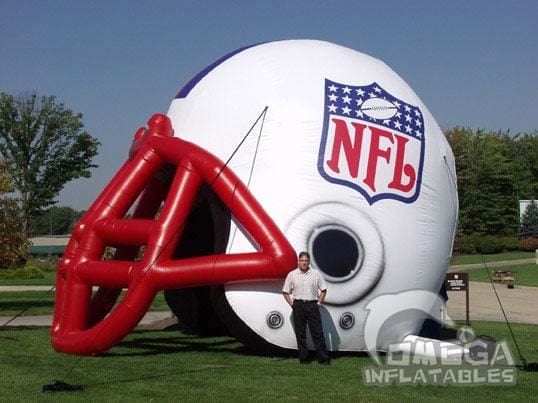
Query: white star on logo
386, 122
372, 95
417, 112
346, 110
419, 134
333, 88
407, 108
346, 90
346, 99
397, 125
408, 118
377, 89
333, 97
418, 122
332, 108
359, 92
408, 129
397, 104
398, 114
359, 113
359, 102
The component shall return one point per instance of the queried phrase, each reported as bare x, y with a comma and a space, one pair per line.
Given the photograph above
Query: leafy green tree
12, 238
529, 222
46, 146
487, 190
55, 221
525, 155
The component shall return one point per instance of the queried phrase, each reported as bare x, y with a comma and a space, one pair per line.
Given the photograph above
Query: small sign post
459, 282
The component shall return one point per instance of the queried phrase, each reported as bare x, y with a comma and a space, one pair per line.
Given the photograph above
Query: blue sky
474, 63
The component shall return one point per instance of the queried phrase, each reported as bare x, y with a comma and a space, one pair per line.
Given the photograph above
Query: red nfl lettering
352, 153
375, 153
407, 169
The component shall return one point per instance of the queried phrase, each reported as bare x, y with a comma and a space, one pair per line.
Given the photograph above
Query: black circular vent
336, 253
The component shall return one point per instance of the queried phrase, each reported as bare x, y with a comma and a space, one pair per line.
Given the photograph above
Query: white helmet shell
347, 161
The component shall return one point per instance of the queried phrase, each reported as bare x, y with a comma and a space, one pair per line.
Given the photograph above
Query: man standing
305, 289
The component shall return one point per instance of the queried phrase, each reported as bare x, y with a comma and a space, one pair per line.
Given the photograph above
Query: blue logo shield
371, 142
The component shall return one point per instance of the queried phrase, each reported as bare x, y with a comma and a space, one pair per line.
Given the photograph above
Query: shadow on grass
192, 343
184, 340
448, 333
179, 345
13, 305
171, 345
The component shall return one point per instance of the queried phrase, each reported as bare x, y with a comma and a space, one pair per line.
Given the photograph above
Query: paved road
46, 320
8, 288
520, 303
491, 264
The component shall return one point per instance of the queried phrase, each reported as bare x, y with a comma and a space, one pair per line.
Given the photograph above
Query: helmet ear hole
336, 251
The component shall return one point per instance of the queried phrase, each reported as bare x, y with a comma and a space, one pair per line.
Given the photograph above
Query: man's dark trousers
307, 312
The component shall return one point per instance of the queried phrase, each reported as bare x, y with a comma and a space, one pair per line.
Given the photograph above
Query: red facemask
86, 324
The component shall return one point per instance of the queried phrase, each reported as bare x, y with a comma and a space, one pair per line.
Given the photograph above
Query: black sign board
456, 281
459, 282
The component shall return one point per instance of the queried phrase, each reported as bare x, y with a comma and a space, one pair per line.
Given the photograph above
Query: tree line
56, 220
494, 171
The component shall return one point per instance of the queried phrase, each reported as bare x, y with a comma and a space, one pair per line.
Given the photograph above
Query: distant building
523, 204
48, 245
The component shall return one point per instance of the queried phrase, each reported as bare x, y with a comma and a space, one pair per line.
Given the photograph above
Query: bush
26, 273
486, 244
528, 244
42, 264
510, 243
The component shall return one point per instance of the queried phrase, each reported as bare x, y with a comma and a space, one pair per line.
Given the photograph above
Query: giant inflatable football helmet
273, 149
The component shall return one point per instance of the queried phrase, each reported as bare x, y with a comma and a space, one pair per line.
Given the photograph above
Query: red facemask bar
85, 324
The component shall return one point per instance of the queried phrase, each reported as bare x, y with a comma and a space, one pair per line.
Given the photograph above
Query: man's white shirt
304, 285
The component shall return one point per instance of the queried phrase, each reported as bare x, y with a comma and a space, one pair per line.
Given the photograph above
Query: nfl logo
371, 142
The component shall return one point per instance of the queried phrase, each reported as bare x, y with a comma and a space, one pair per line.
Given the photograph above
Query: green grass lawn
42, 303
49, 279
498, 257
173, 366
527, 274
